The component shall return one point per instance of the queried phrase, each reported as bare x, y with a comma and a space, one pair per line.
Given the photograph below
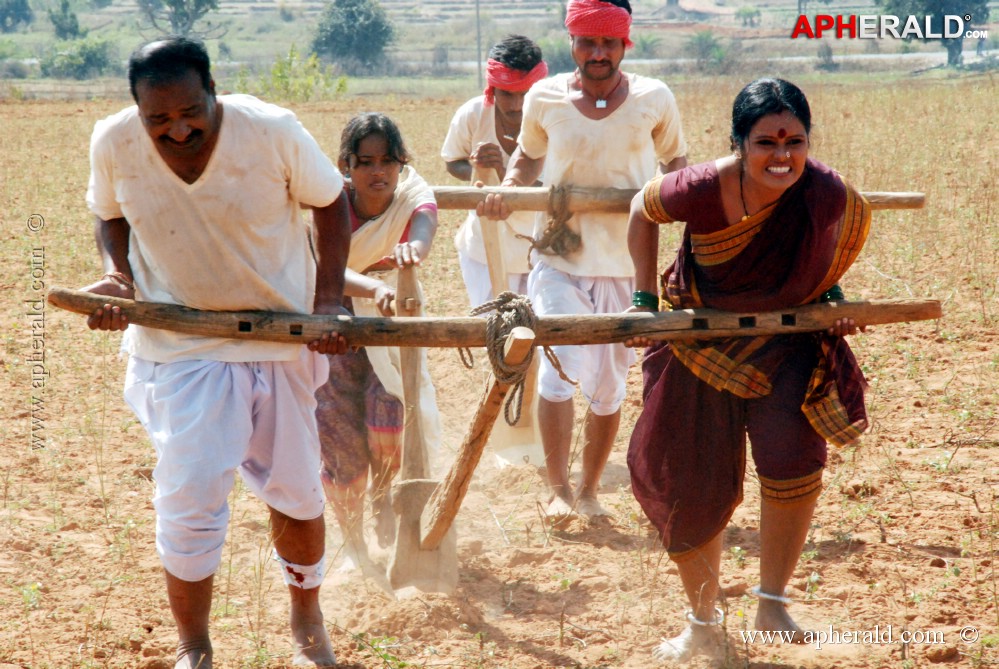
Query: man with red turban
594, 127
478, 145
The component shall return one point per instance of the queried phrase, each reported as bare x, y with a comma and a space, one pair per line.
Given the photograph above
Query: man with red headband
478, 145
595, 127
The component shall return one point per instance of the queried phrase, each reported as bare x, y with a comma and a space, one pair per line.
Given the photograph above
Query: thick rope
510, 310
558, 239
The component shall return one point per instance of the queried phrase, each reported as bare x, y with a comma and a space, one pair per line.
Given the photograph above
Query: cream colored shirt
473, 124
622, 150
233, 240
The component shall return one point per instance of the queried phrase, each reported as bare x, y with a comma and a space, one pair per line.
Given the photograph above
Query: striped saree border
652, 202
718, 247
714, 366
855, 227
791, 490
826, 413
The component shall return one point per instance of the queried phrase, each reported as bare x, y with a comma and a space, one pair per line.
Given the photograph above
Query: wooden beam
890, 200
465, 332
610, 199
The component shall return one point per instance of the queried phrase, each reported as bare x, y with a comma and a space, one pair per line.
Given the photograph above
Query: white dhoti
600, 369
478, 284
208, 419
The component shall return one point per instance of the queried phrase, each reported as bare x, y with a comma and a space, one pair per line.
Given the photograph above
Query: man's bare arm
332, 243
522, 169
112, 244
460, 169
332, 239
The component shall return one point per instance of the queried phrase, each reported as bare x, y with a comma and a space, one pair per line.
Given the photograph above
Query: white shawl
370, 243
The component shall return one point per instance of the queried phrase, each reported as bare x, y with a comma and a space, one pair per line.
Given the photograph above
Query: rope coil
558, 238
510, 311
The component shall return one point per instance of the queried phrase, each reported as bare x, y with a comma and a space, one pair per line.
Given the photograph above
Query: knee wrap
305, 577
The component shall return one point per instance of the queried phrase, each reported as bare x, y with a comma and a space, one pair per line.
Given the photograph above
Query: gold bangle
120, 279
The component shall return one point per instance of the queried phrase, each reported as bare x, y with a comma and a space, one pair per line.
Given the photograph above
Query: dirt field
904, 541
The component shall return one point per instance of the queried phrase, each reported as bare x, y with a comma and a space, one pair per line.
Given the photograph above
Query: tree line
354, 34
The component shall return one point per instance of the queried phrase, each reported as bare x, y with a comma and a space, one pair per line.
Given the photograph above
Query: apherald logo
884, 26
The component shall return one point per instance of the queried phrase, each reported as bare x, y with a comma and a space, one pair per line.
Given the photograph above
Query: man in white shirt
596, 127
197, 202
482, 135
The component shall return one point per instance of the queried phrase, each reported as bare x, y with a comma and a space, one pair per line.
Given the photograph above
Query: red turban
507, 78
594, 18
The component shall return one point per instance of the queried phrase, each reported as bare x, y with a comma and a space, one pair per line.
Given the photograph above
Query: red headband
595, 18
507, 78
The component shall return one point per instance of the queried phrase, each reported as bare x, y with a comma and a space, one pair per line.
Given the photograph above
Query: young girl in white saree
360, 412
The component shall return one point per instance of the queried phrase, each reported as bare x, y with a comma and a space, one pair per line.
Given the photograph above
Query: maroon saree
687, 452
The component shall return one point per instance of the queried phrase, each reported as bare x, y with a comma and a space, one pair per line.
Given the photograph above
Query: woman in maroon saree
766, 228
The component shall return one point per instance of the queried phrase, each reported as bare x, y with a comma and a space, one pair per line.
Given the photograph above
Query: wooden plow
519, 443
425, 555
410, 568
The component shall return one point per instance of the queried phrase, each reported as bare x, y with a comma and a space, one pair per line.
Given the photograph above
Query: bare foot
694, 640
559, 508
773, 617
312, 645
350, 563
590, 507
384, 516
194, 657
355, 557
368, 566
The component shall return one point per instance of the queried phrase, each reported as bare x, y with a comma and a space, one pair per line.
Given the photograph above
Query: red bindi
782, 133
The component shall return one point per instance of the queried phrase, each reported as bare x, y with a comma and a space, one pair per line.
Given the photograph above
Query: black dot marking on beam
699, 324
788, 319
295, 329
747, 321
245, 326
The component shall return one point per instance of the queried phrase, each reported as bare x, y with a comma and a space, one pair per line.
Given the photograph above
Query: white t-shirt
620, 151
232, 240
474, 123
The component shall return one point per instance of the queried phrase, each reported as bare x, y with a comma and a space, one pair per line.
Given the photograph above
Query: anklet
786, 601
694, 620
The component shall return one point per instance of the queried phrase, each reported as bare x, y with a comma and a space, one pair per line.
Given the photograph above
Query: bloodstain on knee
298, 576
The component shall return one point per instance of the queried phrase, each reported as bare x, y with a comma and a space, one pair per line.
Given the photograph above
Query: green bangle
833, 294
643, 298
